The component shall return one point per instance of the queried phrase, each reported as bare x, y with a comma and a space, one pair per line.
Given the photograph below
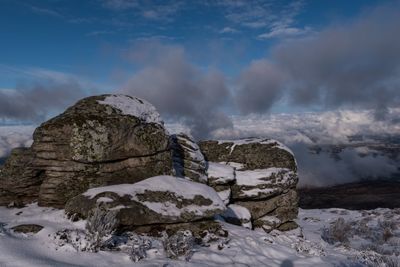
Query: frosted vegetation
332, 237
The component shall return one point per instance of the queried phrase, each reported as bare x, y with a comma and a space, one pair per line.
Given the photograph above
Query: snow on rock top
220, 173
258, 177
133, 106
179, 187
264, 141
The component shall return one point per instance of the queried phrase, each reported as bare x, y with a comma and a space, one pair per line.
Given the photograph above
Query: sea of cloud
300, 131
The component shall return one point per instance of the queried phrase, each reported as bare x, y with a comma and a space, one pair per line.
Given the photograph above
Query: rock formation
260, 175
101, 140
112, 152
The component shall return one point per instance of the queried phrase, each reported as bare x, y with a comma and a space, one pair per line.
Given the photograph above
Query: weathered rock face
101, 140
19, 181
188, 160
261, 175
154, 201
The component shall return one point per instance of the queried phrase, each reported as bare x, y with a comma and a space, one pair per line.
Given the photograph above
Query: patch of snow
225, 195
260, 176
235, 165
264, 141
133, 106
254, 192
301, 248
220, 173
104, 200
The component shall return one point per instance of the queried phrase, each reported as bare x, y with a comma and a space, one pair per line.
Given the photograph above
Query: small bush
139, 247
180, 244
3, 230
339, 231
100, 226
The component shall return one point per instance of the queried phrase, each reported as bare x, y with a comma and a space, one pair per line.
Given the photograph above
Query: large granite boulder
188, 160
155, 201
261, 175
101, 140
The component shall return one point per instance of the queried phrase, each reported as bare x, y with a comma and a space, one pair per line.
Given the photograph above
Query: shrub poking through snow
3, 230
139, 247
339, 231
73, 237
100, 226
180, 244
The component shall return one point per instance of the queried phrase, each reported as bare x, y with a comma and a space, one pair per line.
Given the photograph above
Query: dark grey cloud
34, 100
353, 64
178, 89
320, 170
258, 91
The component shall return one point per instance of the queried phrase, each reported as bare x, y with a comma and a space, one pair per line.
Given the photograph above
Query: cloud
120, 4
258, 91
46, 11
150, 10
367, 158
14, 136
354, 64
98, 33
179, 89
40, 93
320, 170
284, 32
228, 30
277, 18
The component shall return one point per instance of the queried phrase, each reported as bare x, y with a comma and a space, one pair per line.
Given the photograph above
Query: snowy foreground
360, 238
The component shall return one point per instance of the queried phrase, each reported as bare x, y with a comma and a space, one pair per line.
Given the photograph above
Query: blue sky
249, 52
88, 37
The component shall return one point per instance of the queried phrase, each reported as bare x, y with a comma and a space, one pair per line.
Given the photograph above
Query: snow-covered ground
359, 239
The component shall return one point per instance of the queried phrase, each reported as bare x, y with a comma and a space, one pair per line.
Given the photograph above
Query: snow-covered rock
156, 200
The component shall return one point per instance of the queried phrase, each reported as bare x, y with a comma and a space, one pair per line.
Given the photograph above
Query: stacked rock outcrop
112, 152
260, 175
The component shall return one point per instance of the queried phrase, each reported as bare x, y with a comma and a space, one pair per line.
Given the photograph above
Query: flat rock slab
27, 228
156, 200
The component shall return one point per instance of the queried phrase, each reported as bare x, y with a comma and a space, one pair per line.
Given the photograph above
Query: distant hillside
355, 196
